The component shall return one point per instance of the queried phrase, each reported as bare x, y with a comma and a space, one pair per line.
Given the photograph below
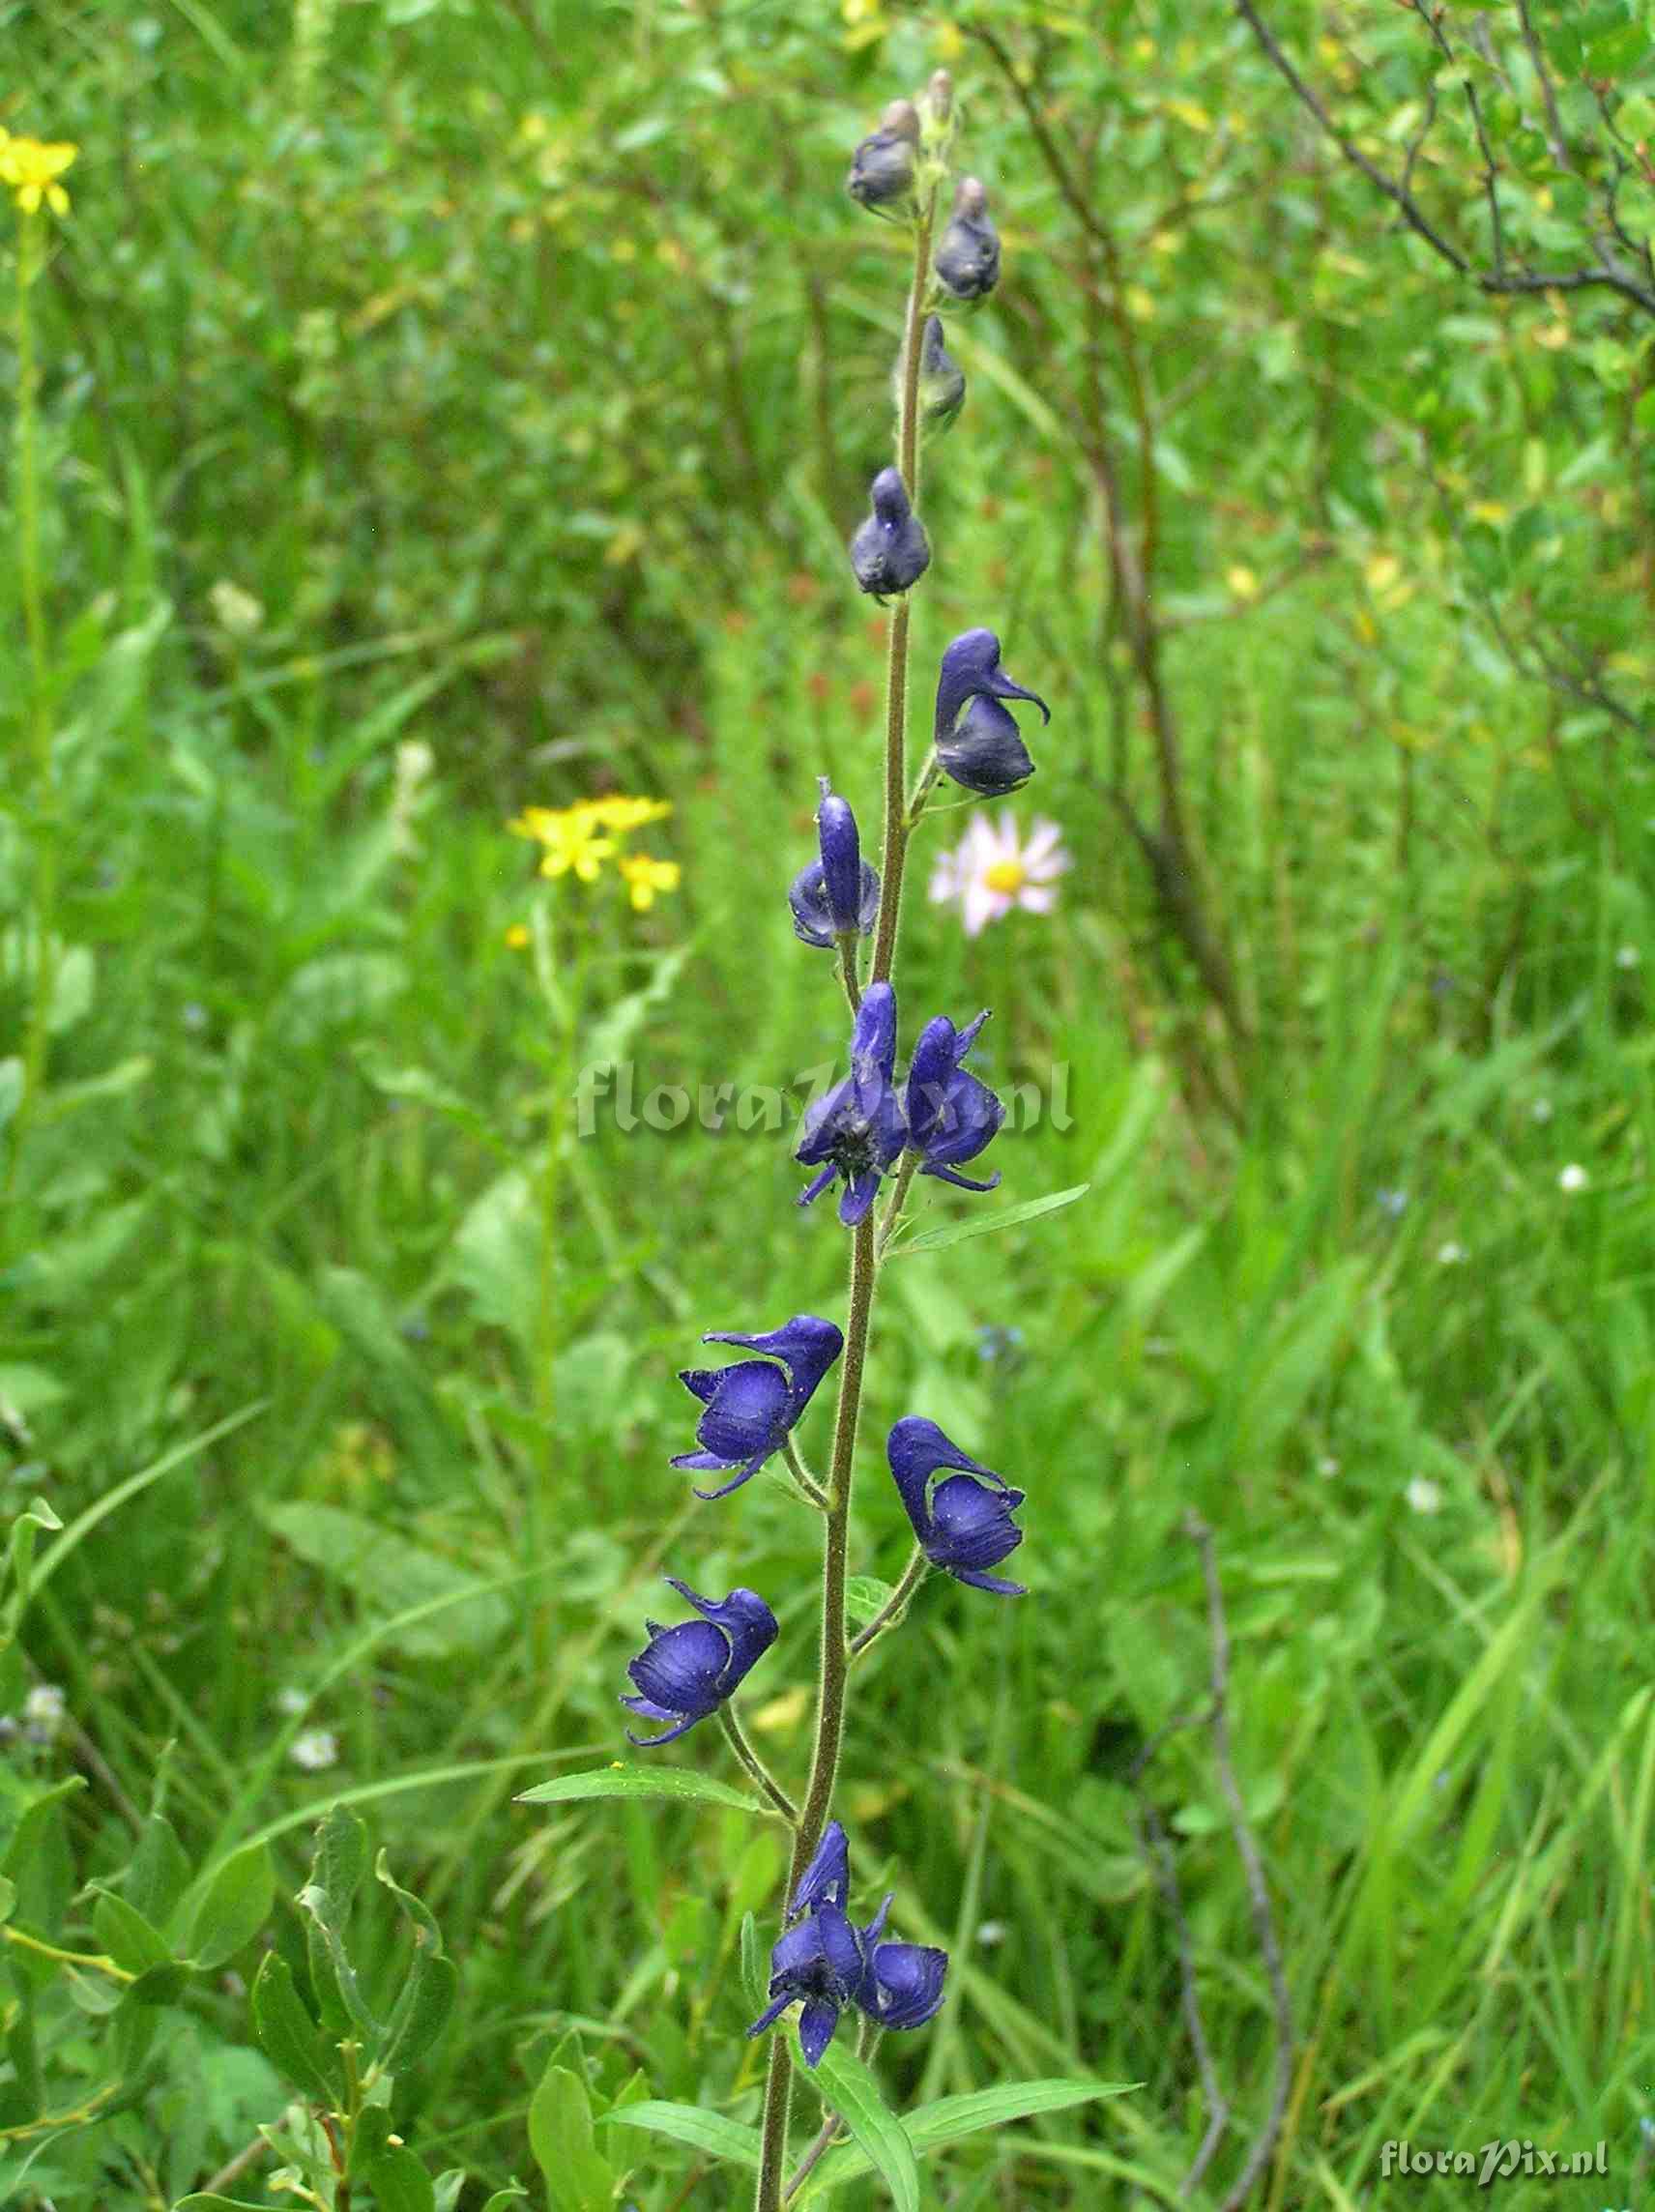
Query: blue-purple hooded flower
751, 1409
826, 1962
951, 1116
838, 893
977, 740
962, 1523
968, 253
858, 1129
889, 551
686, 1672
882, 167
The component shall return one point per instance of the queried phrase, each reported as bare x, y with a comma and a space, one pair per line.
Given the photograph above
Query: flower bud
890, 552
942, 380
967, 259
940, 95
882, 167
838, 893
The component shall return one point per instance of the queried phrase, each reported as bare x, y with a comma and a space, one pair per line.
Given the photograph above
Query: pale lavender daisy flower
992, 869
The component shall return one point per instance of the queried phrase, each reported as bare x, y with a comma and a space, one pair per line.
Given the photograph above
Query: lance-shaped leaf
290, 2038
335, 1876
428, 1991
233, 1908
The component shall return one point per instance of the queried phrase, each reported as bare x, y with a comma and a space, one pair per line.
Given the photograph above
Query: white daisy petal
1036, 901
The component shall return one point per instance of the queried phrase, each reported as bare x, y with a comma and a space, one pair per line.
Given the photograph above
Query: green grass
277, 1256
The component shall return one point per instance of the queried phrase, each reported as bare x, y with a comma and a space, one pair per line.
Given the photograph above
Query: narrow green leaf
849, 2088
946, 2119
8, 1899
679, 1782
209, 2201
576, 2175
703, 2131
234, 1909
429, 1992
340, 1857
512, 2194
985, 1224
755, 1974
289, 2037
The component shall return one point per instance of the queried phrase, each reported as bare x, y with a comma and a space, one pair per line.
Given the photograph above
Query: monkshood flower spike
967, 254
951, 1116
827, 1963
858, 1129
977, 738
752, 1407
882, 167
889, 551
837, 895
962, 1526
685, 1673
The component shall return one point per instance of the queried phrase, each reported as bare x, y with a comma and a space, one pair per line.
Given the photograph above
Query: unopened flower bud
882, 167
942, 95
942, 380
967, 259
890, 552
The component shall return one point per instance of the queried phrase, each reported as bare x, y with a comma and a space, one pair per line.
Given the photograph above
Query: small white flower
1451, 1254
1541, 1109
1423, 1494
1573, 1177
991, 870
991, 1933
1327, 1464
291, 1700
1628, 956
314, 1749
44, 1711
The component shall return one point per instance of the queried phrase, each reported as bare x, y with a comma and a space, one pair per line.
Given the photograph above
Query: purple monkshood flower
967, 254
951, 1115
837, 893
889, 551
962, 1526
827, 1963
980, 747
857, 1128
751, 1408
685, 1673
882, 167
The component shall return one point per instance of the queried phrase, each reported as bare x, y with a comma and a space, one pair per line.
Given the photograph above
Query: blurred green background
448, 406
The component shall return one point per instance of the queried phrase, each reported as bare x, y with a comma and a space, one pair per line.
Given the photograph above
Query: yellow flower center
1005, 875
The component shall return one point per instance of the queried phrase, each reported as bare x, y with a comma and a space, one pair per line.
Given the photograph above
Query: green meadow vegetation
426, 410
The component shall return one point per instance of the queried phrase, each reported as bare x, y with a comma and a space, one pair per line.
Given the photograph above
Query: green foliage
525, 385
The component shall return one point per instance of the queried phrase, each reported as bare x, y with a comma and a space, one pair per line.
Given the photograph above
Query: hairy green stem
896, 667
736, 1737
865, 1255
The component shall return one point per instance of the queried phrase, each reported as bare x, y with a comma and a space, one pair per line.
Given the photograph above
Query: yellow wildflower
517, 936
645, 877
624, 814
574, 845
32, 169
